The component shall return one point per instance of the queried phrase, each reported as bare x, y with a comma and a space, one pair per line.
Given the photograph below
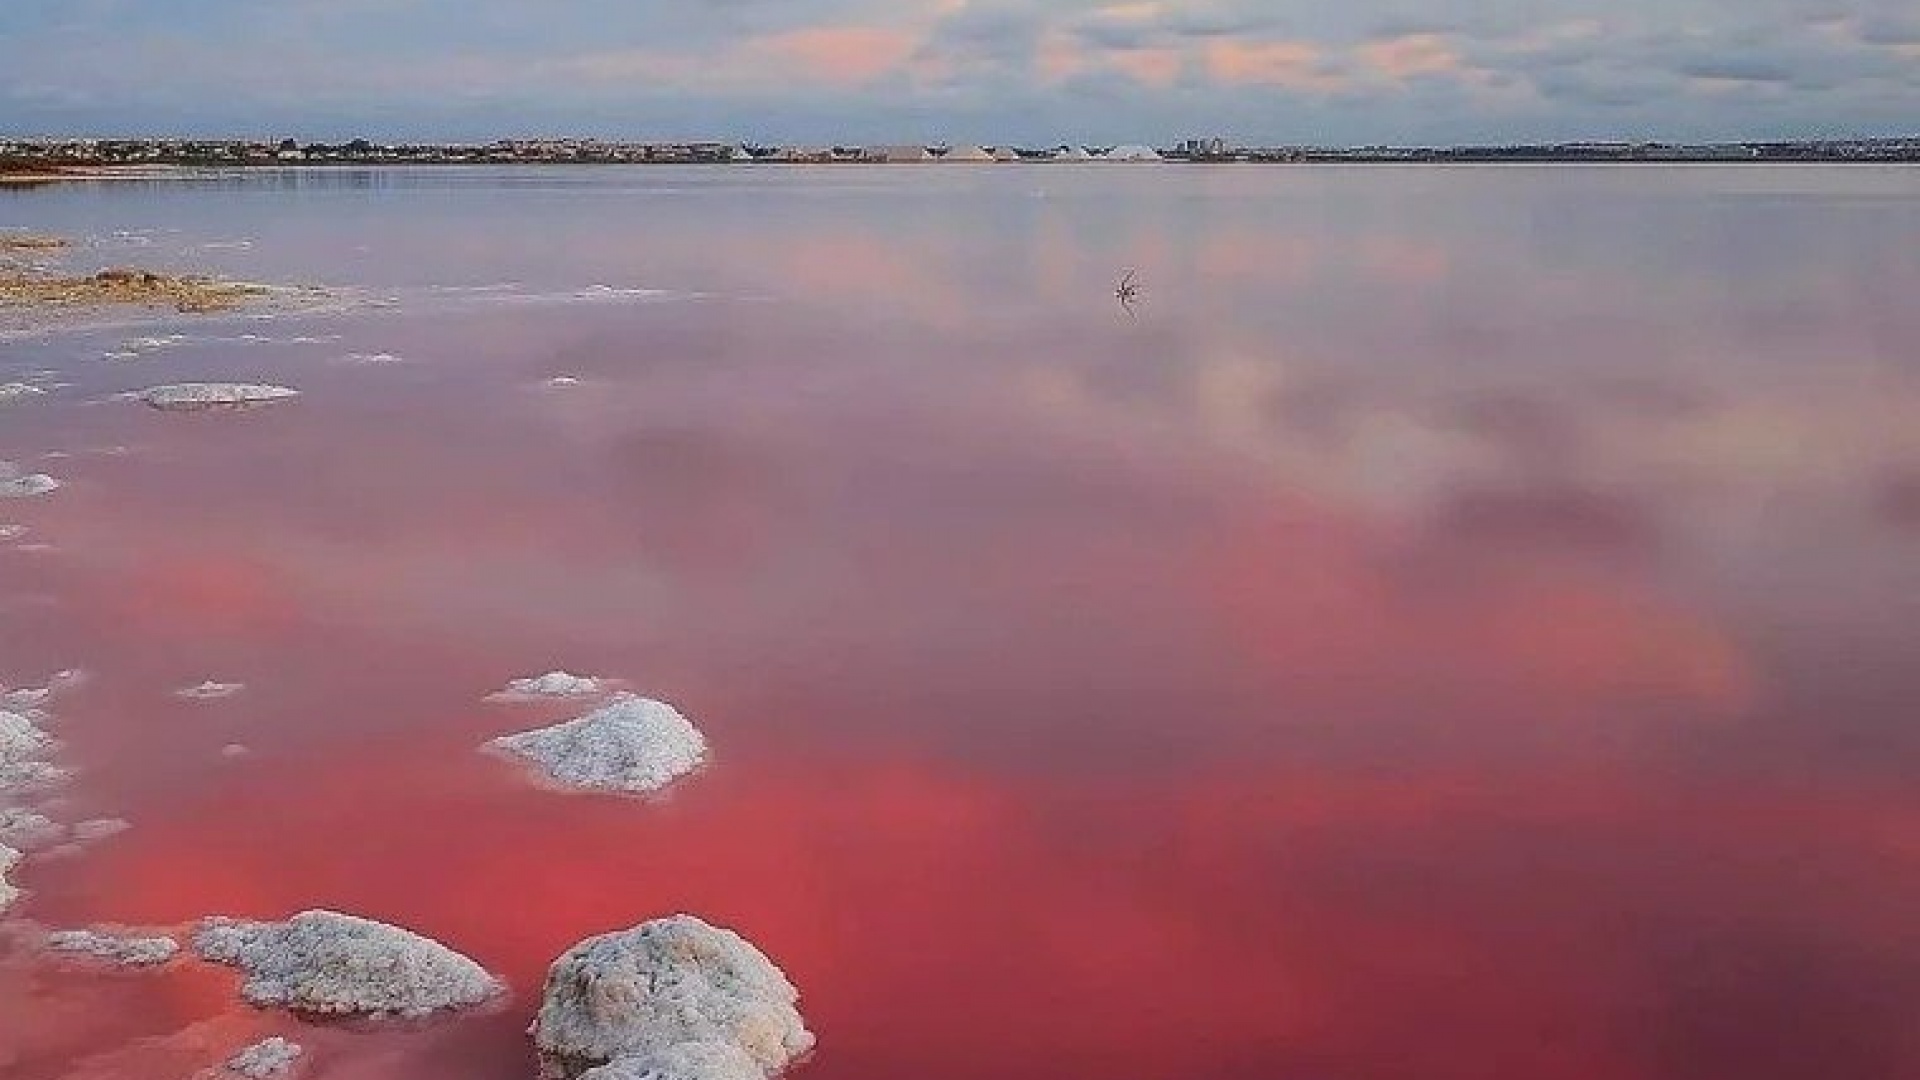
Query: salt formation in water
26, 829
325, 962
631, 744
15, 484
188, 396
209, 691
125, 951
552, 684
24, 754
691, 1061
676, 999
88, 832
9, 858
265, 1059
9, 391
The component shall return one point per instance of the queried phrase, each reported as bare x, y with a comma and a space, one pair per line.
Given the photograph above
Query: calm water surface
1463, 625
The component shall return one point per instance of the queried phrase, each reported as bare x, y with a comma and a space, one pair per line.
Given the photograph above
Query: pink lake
1461, 624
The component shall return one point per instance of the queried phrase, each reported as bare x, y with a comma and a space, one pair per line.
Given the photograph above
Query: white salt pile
690, 1061
25, 751
325, 962
631, 744
209, 691
191, 396
15, 484
265, 1059
234, 750
561, 382
9, 858
113, 948
25, 829
11, 391
551, 685
675, 999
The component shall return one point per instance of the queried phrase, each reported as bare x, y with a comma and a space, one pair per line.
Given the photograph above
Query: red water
1460, 626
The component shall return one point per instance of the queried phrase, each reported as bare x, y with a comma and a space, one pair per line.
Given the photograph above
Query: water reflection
1460, 629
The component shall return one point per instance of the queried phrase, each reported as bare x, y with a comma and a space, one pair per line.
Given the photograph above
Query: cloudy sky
983, 70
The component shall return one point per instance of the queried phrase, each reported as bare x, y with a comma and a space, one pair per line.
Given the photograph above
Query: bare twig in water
1127, 292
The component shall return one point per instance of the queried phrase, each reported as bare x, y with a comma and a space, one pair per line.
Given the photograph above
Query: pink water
1462, 625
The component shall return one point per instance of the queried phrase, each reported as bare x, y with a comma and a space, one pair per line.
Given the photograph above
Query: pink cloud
1295, 65
1156, 67
846, 55
1410, 56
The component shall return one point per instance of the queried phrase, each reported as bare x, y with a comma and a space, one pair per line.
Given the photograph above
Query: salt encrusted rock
25, 829
125, 951
631, 744
671, 993
690, 1061
265, 1059
9, 859
325, 962
26, 487
554, 684
23, 753
209, 691
180, 396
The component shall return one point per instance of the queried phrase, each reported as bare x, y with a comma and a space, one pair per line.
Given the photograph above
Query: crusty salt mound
24, 752
690, 1061
671, 999
265, 1059
325, 962
181, 397
25, 487
209, 691
9, 859
113, 948
631, 744
554, 684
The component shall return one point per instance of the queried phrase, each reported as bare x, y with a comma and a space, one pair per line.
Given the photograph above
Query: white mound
209, 691
551, 685
675, 999
325, 962
9, 859
689, 1061
631, 744
26, 487
266, 1059
125, 951
188, 396
9, 391
24, 752
26, 829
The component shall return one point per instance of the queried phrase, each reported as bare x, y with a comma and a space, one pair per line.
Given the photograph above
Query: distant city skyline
1029, 72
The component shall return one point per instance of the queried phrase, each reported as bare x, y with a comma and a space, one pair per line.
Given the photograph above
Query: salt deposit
551, 685
325, 962
690, 1061
213, 395
631, 744
24, 753
114, 948
92, 832
265, 1059
209, 691
9, 858
26, 487
668, 995
9, 391
25, 829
